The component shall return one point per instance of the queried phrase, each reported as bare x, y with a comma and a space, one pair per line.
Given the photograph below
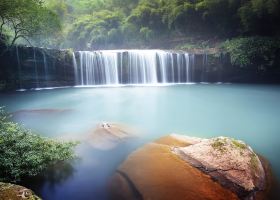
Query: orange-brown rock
181, 167
154, 172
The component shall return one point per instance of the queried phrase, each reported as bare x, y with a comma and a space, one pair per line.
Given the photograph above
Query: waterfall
204, 67
192, 64
97, 68
35, 67
19, 67
142, 67
46, 70
113, 67
75, 69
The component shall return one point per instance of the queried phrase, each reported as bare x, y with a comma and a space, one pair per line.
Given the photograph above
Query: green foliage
146, 33
181, 16
147, 14
99, 28
99, 23
259, 16
27, 19
259, 52
24, 154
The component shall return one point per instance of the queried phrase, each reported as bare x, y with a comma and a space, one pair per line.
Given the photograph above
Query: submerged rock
107, 136
16, 192
181, 167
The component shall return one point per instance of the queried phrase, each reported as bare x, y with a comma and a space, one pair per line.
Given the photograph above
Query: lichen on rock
10, 191
231, 162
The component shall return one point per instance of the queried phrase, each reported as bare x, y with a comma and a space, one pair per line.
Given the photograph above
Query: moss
254, 161
14, 192
219, 144
69, 52
4, 186
238, 144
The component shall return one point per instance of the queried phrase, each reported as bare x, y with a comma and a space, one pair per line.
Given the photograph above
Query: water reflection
54, 175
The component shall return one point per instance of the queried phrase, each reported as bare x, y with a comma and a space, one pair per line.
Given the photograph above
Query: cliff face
28, 67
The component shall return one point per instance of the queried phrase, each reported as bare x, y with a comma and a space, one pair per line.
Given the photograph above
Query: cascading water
19, 67
97, 68
75, 69
132, 67
35, 67
142, 67
204, 66
191, 65
46, 70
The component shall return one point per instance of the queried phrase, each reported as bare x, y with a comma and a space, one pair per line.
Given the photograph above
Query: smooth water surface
249, 113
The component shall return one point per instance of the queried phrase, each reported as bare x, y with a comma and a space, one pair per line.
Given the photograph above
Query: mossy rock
182, 167
10, 191
229, 161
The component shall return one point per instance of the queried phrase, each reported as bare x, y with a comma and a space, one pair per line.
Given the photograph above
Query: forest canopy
91, 24
27, 20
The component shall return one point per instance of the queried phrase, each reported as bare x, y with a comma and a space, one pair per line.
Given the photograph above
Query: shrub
24, 154
260, 52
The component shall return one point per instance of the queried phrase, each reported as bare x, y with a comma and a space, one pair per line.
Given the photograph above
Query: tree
148, 14
97, 29
259, 53
220, 15
260, 16
27, 19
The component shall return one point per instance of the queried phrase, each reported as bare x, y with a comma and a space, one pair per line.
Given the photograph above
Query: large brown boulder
16, 192
180, 167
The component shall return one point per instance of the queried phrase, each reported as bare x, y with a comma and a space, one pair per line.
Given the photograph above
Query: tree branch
14, 40
20, 36
27, 40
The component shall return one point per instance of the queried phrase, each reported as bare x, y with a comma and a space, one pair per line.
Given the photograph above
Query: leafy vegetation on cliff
185, 24
109, 23
261, 52
24, 154
88, 24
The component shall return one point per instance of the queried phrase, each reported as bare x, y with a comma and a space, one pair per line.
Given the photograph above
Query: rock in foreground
179, 167
15, 192
230, 162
